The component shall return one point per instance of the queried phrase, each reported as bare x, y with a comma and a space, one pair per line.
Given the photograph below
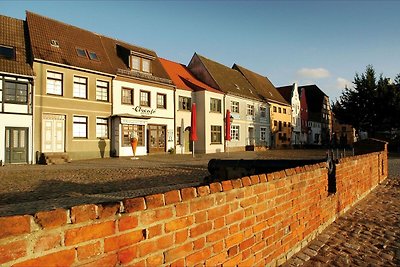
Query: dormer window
93, 55
7, 52
81, 52
140, 63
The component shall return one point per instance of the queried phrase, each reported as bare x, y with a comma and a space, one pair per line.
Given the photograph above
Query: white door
53, 133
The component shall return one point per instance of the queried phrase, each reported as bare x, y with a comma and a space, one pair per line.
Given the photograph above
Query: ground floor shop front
154, 135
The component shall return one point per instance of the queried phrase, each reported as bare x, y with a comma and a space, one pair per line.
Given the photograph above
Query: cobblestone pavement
366, 235
26, 189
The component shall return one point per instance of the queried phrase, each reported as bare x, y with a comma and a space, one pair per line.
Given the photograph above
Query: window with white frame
215, 105
79, 127
144, 99
263, 134
15, 92
127, 96
80, 87
139, 131
102, 89
235, 106
235, 130
250, 110
140, 64
161, 100
54, 83
216, 134
184, 103
102, 128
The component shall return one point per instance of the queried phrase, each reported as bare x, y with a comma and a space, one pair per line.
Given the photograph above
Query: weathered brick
199, 243
107, 210
227, 185
263, 178
60, 258
218, 212
232, 251
127, 222
178, 263
172, 197
181, 236
12, 251
88, 251
154, 231
127, 255
247, 243
47, 242
178, 252
109, 260
218, 247
234, 217
51, 219
255, 179
198, 257
201, 204
234, 239
83, 213
85, 233
203, 191
155, 215
134, 204
154, 201
200, 229
218, 235
237, 183
120, 241
215, 187
182, 209
246, 181
179, 224
188, 193
14, 225
217, 259
155, 260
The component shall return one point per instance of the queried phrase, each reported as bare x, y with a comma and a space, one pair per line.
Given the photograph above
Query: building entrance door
53, 133
16, 147
157, 137
251, 136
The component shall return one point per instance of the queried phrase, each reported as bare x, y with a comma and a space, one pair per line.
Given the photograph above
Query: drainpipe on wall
223, 120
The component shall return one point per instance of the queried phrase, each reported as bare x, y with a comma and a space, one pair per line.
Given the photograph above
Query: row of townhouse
67, 93
312, 118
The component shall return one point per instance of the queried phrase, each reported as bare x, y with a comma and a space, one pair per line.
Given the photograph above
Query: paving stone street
366, 235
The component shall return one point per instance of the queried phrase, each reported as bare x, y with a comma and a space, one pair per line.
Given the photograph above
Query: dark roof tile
13, 34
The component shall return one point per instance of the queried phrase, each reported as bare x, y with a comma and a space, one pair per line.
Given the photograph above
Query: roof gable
183, 78
57, 42
118, 53
13, 34
229, 80
262, 84
314, 97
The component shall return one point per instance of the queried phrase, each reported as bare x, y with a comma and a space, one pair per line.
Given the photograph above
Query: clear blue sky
321, 42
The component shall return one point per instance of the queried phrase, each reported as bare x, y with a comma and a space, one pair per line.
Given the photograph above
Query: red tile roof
43, 31
13, 34
183, 78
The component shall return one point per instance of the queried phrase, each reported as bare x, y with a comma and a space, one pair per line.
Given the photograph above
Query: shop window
215, 134
128, 129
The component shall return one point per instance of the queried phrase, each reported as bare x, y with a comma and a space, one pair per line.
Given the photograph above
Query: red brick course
252, 221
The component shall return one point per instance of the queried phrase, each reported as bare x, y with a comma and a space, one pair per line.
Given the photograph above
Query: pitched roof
118, 53
262, 84
229, 80
43, 31
183, 78
315, 98
286, 92
13, 34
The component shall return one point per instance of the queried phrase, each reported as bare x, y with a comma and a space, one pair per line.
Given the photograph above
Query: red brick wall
251, 221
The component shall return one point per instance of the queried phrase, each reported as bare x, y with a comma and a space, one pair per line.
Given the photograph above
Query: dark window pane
81, 52
93, 56
7, 52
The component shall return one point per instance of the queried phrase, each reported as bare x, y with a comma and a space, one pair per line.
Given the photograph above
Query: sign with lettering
144, 111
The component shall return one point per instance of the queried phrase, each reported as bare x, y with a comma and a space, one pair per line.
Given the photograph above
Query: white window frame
80, 87
54, 83
235, 106
79, 126
235, 132
101, 87
250, 110
102, 128
263, 134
